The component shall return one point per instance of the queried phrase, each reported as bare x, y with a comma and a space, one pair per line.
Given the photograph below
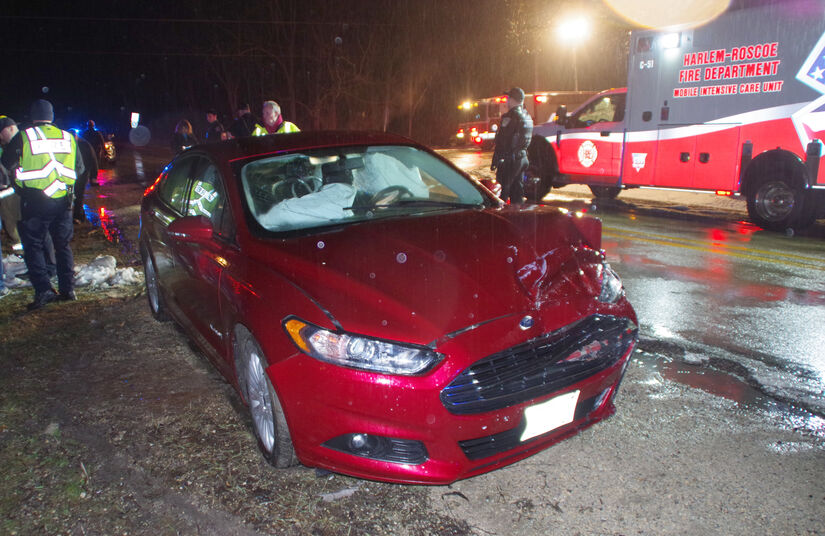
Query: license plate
549, 415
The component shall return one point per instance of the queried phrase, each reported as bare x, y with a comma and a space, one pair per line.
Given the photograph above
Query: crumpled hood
419, 278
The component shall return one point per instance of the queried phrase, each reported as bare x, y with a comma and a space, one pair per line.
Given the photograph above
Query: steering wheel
294, 186
390, 194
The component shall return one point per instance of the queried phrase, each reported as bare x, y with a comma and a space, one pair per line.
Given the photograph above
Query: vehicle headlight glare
612, 288
360, 352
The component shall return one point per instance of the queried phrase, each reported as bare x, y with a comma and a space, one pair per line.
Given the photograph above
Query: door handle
684, 157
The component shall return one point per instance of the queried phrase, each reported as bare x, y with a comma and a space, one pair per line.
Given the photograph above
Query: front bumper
329, 408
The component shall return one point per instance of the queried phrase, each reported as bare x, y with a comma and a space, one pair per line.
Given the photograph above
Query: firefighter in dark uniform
45, 162
510, 155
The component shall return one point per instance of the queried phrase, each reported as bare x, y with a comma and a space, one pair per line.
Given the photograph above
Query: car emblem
526, 322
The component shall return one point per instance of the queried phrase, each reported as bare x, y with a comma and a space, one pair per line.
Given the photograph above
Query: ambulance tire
605, 192
778, 202
541, 170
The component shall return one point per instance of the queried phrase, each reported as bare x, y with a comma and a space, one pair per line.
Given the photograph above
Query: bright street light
572, 32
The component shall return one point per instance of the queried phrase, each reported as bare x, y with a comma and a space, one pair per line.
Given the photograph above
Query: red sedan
380, 312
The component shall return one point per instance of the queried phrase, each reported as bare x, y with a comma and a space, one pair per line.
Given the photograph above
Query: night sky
403, 65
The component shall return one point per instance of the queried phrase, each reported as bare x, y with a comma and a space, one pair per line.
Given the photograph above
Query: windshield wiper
418, 203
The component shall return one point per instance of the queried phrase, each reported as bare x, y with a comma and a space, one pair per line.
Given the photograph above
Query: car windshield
332, 186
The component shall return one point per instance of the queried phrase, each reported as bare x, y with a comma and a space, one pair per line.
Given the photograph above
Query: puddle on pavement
729, 386
108, 223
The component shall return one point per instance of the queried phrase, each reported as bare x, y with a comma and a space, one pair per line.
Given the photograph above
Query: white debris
341, 494
101, 273
12, 266
97, 272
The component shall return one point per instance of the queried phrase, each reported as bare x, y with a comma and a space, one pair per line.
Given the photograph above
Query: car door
591, 143
201, 262
170, 205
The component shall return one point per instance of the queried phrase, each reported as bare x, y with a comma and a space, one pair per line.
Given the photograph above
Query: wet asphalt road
723, 305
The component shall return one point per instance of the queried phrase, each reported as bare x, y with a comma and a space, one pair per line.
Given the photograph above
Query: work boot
67, 296
41, 299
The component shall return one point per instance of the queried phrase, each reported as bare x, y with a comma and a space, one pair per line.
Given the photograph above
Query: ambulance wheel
541, 170
605, 192
534, 187
777, 202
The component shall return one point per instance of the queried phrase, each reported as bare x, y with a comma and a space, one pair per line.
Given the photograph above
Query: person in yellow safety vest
273, 121
45, 162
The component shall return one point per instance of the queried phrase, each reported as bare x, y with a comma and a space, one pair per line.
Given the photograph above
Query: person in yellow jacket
45, 163
273, 121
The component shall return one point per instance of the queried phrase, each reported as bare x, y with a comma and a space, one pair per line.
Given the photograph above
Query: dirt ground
111, 423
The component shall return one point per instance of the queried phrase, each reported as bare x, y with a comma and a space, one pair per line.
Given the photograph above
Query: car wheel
156, 304
605, 192
268, 419
777, 203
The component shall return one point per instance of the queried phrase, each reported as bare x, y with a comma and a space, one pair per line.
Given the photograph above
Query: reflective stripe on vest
35, 167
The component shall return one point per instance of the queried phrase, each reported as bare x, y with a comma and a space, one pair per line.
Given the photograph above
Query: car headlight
356, 351
612, 288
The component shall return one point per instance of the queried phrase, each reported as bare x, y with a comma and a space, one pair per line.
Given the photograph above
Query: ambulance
734, 107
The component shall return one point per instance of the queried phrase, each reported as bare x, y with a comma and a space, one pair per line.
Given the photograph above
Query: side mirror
197, 229
561, 115
492, 185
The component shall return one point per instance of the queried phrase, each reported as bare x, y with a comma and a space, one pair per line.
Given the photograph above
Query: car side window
207, 197
172, 190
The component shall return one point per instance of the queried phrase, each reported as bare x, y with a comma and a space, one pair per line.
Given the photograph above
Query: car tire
605, 192
268, 419
777, 202
156, 304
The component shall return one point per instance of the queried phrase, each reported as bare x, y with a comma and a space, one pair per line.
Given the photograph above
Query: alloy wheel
260, 404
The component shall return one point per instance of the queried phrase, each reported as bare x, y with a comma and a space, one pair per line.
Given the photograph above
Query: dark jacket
243, 126
213, 132
94, 137
513, 136
182, 141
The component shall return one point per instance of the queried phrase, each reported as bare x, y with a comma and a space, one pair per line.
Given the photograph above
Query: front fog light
356, 351
375, 447
612, 288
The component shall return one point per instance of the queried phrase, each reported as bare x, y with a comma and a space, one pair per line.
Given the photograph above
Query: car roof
240, 148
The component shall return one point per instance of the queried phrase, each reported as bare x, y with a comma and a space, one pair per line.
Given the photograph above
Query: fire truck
734, 107
480, 117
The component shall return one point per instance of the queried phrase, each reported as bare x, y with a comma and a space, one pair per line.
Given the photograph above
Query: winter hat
42, 110
516, 93
6, 121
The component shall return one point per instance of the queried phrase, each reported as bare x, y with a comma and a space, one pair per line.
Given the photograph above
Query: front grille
540, 366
